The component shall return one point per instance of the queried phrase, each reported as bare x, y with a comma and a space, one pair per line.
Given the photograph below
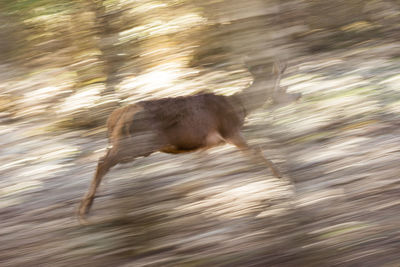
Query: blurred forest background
65, 65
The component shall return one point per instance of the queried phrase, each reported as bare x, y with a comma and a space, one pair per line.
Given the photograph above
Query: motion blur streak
66, 65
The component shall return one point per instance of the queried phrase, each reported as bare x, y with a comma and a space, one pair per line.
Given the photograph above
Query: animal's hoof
276, 173
83, 211
82, 215
82, 220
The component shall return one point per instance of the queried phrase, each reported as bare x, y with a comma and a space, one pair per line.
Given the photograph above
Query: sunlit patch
341, 228
161, 27
392, 82
145, 7
317, 84
178, 24
171, 79
84, 99
317, 197
16, 163
19, 187
358, 26
239, 201
310, 65
42, 93
55, 151
42, 171
159, 81
158, 77
10, 202
344, 148
394, 107
161, 78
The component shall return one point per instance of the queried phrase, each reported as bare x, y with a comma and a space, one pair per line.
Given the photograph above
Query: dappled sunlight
65, 66
238, 201
42, 93
392, 82
158, 81
16, 163
19, 187
173, 79
345, 147
145, 7
159, 27
86, 98
326, 197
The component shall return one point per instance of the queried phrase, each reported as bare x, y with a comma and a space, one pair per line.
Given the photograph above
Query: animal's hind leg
255, 153
103, 166
122, 152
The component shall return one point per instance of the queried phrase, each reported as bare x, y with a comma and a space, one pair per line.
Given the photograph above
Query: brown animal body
182, 124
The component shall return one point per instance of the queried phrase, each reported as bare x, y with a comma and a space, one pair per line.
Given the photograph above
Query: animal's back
190, 122
181, 124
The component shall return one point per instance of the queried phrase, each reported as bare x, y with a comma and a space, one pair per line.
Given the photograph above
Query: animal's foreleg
103, 166
255, 153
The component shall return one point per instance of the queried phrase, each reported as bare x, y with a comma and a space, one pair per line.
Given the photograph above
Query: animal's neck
256, 95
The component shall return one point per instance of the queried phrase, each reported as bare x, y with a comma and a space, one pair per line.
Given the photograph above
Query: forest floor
339, 146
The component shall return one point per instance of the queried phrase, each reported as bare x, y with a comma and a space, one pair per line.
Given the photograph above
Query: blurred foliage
115, 42
39, 7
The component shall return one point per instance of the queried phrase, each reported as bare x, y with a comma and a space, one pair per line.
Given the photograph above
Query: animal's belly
170, 149
183, 145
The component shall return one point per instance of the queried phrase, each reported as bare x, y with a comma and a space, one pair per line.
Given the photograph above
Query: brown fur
173, 125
